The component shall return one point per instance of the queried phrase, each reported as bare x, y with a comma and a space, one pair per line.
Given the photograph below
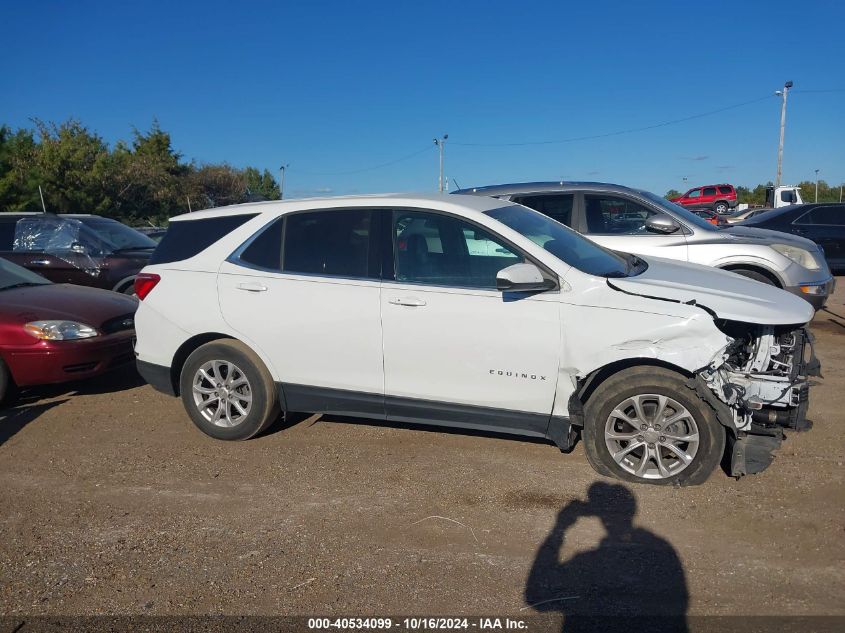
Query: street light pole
282, 180
441, 142
817, 186
783, 93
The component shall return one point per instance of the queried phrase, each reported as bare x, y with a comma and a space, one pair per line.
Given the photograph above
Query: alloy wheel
222, 393
651, 436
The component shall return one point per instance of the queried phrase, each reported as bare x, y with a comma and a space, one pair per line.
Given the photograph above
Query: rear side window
333, 243
557, 207
710, 191
187, 238
726, 190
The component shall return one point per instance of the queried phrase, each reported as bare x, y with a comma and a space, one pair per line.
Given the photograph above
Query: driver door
456, 350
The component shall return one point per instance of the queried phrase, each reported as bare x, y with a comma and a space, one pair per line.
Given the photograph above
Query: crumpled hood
753, 235
728, 295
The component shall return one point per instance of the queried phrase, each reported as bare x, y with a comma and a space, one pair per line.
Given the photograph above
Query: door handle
412, 302
252, 287
39, 262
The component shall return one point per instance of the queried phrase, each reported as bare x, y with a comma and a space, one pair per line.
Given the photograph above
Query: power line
427, 148
619, 132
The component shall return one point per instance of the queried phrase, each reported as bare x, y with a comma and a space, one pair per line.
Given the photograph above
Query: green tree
261, 185
672, 193
18, 176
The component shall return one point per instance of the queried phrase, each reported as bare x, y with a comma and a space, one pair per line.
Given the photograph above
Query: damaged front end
758, 387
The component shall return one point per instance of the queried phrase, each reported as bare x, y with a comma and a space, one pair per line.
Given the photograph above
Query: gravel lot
113, 503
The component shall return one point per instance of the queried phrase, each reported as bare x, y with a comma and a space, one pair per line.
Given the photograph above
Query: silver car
640, 222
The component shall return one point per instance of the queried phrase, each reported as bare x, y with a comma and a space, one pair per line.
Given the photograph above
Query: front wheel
645, 425
227, 391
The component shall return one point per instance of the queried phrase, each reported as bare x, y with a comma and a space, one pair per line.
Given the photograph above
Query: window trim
547, 272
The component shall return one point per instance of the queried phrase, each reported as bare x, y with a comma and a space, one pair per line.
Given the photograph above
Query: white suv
470, 312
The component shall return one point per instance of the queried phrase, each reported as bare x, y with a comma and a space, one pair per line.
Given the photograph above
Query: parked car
155, 233
824, 223
710, 216
667, 230
52, 333
744, 215
469, 312
719, 198
86, 250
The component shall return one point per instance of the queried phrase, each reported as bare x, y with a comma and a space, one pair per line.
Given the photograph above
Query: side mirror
661, 223
522, 278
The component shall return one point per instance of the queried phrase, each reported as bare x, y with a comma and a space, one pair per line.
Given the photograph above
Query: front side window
568, 246
335, 243
556, 206
612, 215
695, 193
833, 215
440, 250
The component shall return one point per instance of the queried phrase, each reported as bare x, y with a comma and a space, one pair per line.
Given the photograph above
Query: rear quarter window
726, 190
187, 238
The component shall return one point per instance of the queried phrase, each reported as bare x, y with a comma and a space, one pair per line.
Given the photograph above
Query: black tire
721, 207
263, 409
8, 389
637, 382
755, 275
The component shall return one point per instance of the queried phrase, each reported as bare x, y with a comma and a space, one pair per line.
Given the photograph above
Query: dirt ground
113, 503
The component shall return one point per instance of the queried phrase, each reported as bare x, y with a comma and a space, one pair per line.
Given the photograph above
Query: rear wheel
644, 425
721, 207
227, 391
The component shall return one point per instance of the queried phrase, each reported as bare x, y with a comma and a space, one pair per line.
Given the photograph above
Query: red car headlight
59, 330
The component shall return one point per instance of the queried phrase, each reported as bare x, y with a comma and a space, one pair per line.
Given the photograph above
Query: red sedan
53, 333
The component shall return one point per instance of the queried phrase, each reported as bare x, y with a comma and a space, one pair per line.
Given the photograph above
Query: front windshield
118, 236
685, 215
565, 244
14, 276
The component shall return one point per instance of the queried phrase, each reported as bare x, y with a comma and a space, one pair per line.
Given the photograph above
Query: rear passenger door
557, 206
305, 290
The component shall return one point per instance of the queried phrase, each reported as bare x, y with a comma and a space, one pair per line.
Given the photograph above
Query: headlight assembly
59, 330
798, 255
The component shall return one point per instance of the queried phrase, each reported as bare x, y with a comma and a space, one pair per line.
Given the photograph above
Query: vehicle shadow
632, 581
30, 403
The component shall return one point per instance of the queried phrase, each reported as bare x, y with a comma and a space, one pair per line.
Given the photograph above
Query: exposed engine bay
763, 379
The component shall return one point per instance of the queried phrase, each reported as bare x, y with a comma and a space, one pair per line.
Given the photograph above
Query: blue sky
338, 87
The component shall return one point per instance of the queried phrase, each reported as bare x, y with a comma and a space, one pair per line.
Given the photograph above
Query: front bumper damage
758, 387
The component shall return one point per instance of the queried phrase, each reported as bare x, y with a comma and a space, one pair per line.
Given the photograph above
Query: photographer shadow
633, 580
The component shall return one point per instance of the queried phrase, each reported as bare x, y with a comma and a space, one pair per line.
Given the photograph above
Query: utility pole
817, 185
782, 93
282, 180
441, 142
41, 193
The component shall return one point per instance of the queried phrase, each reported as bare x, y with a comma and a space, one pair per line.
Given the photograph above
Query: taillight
144, 284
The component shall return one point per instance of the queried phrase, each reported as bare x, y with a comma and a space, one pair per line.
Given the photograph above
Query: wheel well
124, 283
185, 350
757, 269
597, 377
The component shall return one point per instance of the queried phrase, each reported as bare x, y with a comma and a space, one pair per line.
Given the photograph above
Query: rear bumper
51, 362
157, 376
